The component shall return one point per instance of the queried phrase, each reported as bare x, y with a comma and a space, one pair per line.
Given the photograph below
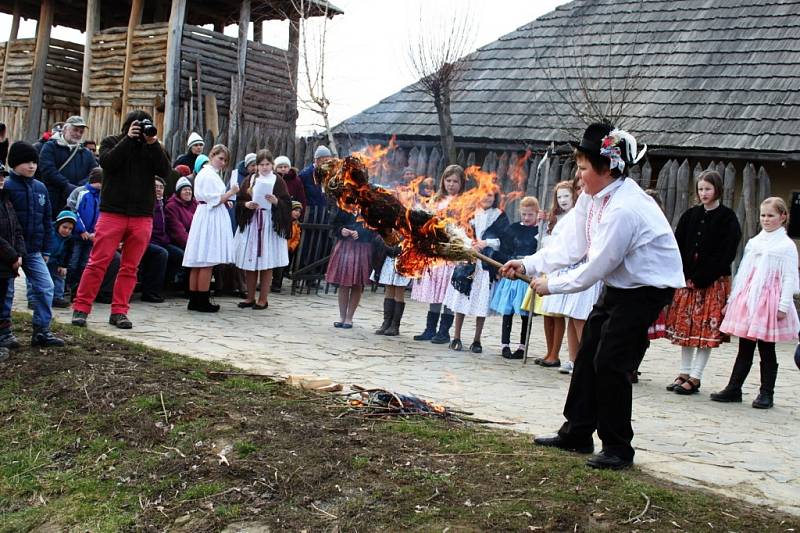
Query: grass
87, 445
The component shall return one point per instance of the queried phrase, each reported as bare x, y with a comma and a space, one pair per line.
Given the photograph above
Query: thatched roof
113, 13
694, 74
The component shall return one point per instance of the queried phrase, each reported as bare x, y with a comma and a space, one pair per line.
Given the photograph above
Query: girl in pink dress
760, 308
430, 288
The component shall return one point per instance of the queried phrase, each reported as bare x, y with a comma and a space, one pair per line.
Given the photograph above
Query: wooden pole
200, 117
293, 64
258, 31
12, 36
177, 17
236, 110
92, 25
43, 27
133, 22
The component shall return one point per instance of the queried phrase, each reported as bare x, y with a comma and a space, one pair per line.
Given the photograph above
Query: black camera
147, 128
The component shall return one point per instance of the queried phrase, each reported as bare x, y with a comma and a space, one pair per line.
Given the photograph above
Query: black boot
443, 335
192, 305
388, 311
733, 390
203, 302
769, 372
430, 327
394, 329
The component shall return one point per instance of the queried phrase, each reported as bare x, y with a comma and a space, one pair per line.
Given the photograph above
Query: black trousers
614, 342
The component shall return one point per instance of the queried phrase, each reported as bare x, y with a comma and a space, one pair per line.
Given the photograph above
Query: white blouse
624, 236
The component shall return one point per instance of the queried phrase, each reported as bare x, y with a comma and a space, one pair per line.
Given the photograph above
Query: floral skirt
350, 263
431, 287
695, 315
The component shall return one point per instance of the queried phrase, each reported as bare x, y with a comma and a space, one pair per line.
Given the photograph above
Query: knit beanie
201, 160
181, 183
183, 170
64, 216
282, 160
249, 159
194, 138
21, 152
296, 205
322, 151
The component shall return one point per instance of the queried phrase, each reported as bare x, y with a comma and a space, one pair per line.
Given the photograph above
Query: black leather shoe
152, 298
606, 461
555, 441
763, 401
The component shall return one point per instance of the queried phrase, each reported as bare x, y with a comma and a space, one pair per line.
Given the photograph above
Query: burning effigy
425, 237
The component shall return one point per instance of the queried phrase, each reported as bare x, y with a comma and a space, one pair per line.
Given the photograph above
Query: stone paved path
729, 448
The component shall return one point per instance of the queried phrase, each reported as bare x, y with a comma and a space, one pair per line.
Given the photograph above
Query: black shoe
79, 318
519, 353
456, 345
476, 347
555, 441
430, 327
548, 364
727, 395
606, 461
388, 313
103, 299
152, 298
763, 401
120, 320
443, 335
506, 353
45, 338
9, 340
60, 303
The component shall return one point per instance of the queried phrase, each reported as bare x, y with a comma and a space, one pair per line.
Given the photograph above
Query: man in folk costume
628, 244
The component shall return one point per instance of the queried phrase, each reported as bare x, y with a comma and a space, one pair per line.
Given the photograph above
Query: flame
431, 231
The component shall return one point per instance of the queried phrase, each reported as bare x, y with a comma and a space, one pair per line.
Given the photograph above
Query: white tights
694, 368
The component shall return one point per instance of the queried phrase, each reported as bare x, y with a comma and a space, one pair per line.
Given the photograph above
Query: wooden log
635, 173
532, 185
199, 78
433, 165
134, 20
43, 27
461, 159
211, 114
698, 169
720, 168
764, 186
422, 162
749, 195
672, 189
12, 37
682, 192
471, 158
293, 59
413, 156
502, 169
728, 184
566, 170
233, 117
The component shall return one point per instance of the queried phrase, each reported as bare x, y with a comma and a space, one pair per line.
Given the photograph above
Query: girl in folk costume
395, 286
574, 306
350, 263
760, 308
708, 236
554, 323
210, 241
431, 287
519, 240
264, 222
488, 224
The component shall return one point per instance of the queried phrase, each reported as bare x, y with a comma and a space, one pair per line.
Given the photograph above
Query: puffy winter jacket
32, 205
12, 245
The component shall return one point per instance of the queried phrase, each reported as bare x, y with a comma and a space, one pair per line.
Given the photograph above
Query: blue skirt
508, 296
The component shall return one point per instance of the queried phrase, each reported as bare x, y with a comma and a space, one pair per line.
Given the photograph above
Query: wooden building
705, 83
154, 55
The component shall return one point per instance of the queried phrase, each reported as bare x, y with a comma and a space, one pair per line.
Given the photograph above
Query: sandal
693, 388
677, 383
245, 305
456, 345
259, 307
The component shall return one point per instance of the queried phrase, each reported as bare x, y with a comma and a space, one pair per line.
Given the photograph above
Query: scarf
766, 255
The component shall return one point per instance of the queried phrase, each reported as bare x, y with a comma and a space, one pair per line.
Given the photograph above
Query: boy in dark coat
12, 249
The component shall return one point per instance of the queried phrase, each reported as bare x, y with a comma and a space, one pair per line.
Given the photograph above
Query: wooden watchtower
155, 55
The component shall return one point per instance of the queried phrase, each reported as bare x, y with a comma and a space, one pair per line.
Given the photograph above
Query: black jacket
343, 219
708, 241
12, 245
129, 171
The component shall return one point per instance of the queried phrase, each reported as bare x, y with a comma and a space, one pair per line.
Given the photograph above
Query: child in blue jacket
59, 253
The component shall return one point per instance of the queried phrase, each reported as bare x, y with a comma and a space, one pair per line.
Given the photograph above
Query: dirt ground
111, 436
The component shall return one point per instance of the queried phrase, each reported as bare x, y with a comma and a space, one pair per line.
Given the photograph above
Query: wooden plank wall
107, 73
62, 83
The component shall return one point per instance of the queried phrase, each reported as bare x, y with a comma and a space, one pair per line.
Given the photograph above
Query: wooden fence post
43, 27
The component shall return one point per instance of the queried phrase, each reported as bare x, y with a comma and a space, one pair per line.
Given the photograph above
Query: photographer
130, 162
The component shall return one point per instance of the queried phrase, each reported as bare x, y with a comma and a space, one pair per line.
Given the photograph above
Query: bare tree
310, 88
437, 60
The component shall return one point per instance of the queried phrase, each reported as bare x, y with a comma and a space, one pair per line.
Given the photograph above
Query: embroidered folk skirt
695, 315
761, 322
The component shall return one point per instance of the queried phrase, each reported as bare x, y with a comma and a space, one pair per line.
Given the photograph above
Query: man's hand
539, 285
85, 236
512, 269
135, 131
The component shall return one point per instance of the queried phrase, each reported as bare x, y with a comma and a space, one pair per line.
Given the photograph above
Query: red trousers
111, 230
